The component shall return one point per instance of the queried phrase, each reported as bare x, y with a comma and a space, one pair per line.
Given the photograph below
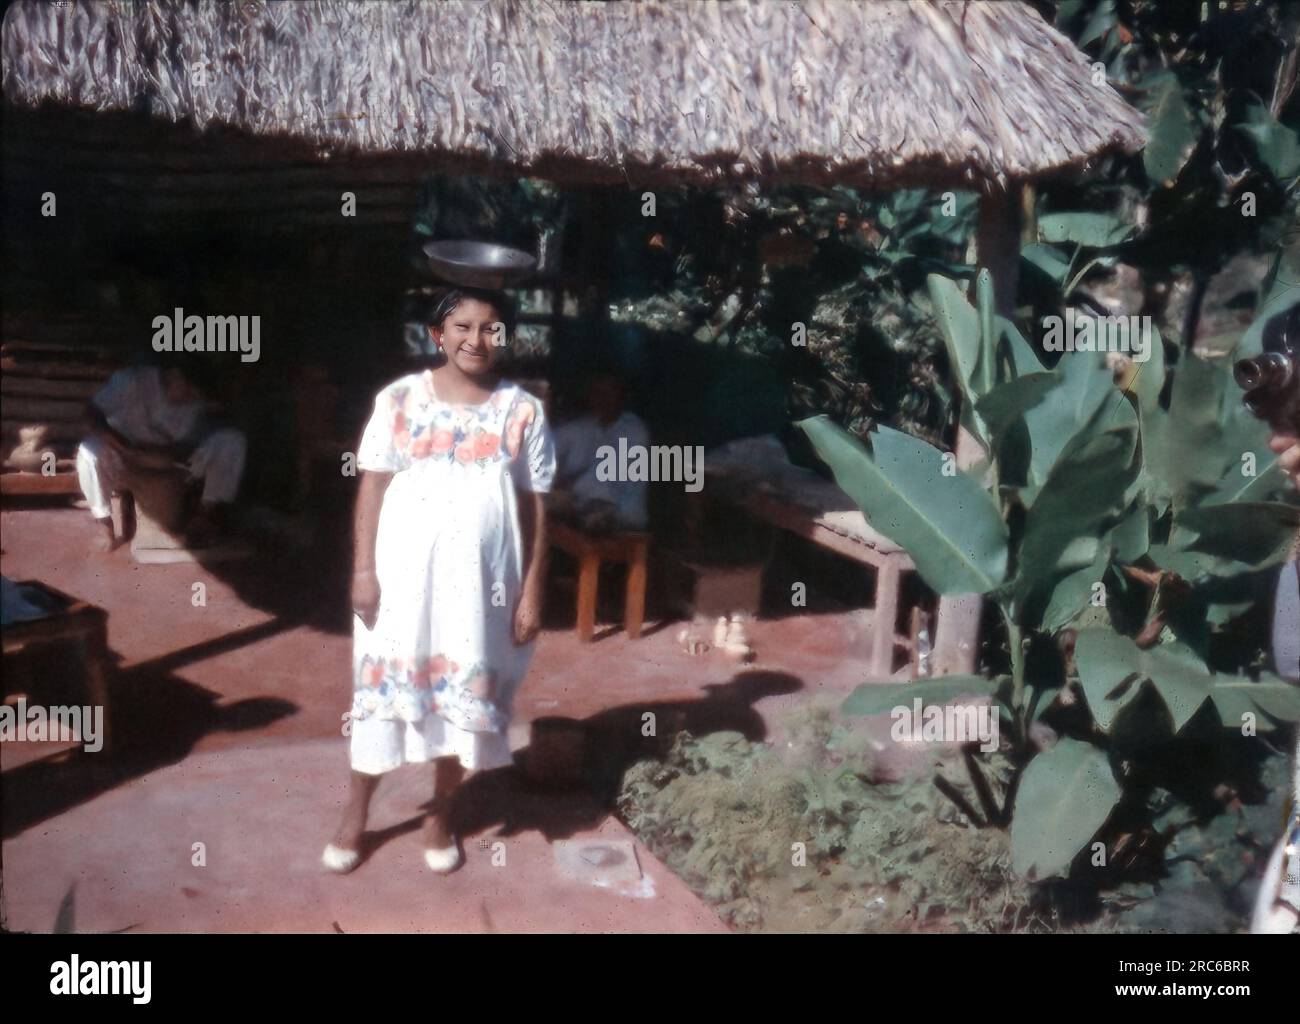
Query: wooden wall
151, 216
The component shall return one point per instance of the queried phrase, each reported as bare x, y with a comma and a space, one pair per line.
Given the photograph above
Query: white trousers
218, 462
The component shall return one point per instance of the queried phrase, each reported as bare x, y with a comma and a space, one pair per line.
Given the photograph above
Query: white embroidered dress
439, 671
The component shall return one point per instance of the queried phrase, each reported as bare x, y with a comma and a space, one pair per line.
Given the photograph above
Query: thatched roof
881, 94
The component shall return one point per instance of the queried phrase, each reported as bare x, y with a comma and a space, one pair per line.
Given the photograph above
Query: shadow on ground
507, 802
158, 717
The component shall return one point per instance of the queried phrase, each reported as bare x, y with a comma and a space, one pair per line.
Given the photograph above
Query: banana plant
1089, 486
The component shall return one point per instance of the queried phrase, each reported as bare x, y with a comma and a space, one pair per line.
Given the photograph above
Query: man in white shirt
600, 504
149, 419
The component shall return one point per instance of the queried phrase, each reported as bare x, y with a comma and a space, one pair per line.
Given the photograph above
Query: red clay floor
228, 722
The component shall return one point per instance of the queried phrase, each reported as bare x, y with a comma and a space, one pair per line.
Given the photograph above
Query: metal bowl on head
479, 264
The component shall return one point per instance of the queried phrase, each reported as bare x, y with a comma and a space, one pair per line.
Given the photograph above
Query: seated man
147, 419
580, 494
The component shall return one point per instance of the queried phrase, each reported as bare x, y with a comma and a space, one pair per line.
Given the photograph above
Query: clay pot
28, 454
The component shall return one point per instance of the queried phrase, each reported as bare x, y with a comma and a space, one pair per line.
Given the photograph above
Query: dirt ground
228, 715
227, 721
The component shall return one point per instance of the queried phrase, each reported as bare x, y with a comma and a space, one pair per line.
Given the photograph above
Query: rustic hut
943, 93
156, 115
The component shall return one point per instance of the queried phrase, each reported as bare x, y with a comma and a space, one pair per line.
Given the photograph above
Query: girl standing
449, 569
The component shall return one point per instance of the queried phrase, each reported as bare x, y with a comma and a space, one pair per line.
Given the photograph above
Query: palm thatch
883, 94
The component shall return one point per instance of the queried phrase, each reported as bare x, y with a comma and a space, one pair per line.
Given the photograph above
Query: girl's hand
1288, 455
528, 617
365, 596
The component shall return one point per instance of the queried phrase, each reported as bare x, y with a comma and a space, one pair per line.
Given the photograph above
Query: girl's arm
532, 521
365, 584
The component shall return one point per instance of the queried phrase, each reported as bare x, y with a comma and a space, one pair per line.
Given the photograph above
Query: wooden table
80, 623
590, 550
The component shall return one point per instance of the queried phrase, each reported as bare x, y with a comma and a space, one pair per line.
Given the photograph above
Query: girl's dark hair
445, 304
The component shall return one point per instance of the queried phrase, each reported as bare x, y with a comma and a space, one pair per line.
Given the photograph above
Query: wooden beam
997, 243
38, 483
997, 248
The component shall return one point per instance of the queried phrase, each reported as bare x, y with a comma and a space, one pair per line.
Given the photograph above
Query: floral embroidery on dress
435, 684
425, 428
520, 420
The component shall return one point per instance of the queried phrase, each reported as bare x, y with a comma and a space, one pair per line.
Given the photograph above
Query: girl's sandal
443, 861
448, 859
339, 860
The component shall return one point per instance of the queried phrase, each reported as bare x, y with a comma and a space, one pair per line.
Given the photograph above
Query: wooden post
634, 600
997, 248
886, 611
588, 580
596, 255
997, 243
93, 642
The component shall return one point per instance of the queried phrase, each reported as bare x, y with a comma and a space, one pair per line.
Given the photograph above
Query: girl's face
471, 336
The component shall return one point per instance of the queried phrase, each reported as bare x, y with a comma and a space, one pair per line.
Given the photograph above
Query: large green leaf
1133, 534
1270, 483
1108, 674
1256, 533
958, 323
1016, 357
1223, 598
1112, 670
1180, 678
1232, 447
1065, 797
1186, 451
985, 348
1241, 432
1194, 565
1245, 444
1094, 230
1081, 273
1148, 378
1276, 697
1284, 274
1071, 595
1047, 259
1085, 491
1172, 129
1056, 419
1102, 20
949, 525
880, 698
1008, 402
959, 326
1276, 145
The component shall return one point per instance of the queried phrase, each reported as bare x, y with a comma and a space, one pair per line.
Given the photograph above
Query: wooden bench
847, 533
755, 476
590, 550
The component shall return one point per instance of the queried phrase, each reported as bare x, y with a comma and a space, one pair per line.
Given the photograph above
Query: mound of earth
820, 834
778, 848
